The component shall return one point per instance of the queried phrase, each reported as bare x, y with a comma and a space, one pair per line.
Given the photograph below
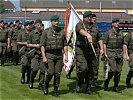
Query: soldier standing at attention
98, 45
113, 44
53, 41
82, 53
12, 41
35, 54
3, 42
128, 56
25, 62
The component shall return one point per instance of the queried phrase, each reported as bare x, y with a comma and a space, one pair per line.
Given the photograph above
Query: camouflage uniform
13, 34
114, 41
25, 61
3, 45
36, 58
128, 40
53, 41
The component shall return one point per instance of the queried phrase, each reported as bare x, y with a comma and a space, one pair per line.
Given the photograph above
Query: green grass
12, 89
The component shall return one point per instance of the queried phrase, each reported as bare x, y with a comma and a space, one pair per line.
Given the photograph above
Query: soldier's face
55, 23
38, 26
2, 24
93, 19
28, 27
115, 24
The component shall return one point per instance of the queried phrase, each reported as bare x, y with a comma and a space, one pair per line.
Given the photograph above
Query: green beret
38, 21
54, 17
115, 20
26, 23
87, 13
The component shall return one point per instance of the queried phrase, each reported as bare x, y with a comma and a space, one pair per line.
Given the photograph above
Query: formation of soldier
42, 50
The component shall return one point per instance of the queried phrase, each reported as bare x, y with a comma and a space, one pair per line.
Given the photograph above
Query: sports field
12, 89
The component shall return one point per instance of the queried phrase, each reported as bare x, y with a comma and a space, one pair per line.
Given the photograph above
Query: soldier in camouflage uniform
98, 45
3, 42
12, 42
25, 61
35, 55
113, 43
52, 43
9, 47
83, 52
128, 55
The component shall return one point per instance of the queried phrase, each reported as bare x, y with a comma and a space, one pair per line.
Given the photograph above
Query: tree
2, 6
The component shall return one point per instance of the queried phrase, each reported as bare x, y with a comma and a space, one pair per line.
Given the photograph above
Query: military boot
78, 86
23, 77
116, 82
95, 83
128, 79
31, 83
116, 89
88, 89
45, 90
106, 83
55, 91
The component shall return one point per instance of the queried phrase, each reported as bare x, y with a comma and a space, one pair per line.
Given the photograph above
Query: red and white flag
71, 20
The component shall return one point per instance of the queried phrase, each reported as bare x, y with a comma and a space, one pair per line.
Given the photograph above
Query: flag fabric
71, 37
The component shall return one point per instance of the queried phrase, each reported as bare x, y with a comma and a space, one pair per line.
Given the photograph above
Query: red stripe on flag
66, 20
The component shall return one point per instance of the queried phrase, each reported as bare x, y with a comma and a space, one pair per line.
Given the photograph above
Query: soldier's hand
126, 58
45, 60
101, 52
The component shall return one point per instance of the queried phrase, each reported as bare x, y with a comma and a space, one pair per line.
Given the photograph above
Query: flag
71, 36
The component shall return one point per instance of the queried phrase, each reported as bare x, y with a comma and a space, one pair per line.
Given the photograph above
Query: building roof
45, 15
125, 4
9, 5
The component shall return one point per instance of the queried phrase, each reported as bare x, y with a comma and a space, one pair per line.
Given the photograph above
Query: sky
16, 4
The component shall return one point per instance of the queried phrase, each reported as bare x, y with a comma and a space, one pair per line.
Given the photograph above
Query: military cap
54, 17
17, 21
32, 22
87, 13
115, 20
38, 21
1, 21
93, 15
26, 23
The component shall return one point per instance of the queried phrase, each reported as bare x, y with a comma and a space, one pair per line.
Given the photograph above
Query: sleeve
10, 33
127, 39
105, 38
43, 38
29, 41
99, 35
79, 26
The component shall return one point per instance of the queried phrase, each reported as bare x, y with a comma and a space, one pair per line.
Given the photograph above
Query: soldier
98, 45
12, 41
35, 55
9, 47
128, 56
113, 43
82, 53
3, 42
25, 62
52, 43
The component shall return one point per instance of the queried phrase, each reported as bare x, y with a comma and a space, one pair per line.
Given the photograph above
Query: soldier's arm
43, 44
82, 31
19, 40
125, 49
29, 43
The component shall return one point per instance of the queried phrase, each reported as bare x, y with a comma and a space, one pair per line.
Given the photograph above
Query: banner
71, 36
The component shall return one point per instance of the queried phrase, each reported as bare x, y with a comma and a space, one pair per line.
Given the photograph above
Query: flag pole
84, 28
